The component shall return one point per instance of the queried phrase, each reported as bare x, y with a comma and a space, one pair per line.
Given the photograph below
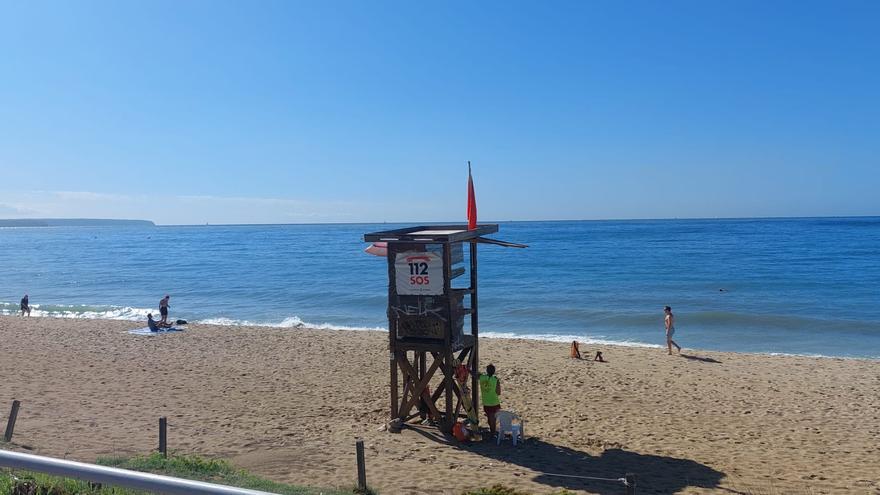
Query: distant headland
73, 222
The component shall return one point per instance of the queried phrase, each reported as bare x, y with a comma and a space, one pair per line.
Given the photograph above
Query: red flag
472, 202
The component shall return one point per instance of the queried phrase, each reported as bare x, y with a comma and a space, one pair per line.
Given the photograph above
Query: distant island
73, 222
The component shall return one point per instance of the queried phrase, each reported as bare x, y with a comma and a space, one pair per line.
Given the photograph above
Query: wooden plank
437, 393
423, 395
430, 402
361, 467
392, 333
450, 388
475, 331
10, 424
421, 366
486, 240
406, 389
394, 385
412, 345
163, 436
408, 381
431, 405
418, 388
409, 234
448, 384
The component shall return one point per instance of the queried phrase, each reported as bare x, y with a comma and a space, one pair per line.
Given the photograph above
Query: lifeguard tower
432, 311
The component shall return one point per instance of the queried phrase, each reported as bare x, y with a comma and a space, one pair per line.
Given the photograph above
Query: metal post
361, 466
163, 436
10, 425
630, 484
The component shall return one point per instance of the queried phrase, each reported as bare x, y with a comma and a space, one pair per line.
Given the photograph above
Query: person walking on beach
163, 309
490, 389
669, 323
25, 306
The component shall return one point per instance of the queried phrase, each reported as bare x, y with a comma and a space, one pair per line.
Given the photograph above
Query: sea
802, 286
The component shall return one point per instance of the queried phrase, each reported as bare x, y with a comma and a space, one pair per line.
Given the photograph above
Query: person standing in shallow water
669, 323
163, 309
25, 306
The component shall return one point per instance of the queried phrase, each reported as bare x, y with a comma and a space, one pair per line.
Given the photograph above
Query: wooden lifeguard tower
432, 311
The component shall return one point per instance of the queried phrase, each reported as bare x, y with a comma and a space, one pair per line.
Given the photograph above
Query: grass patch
189, 467
27, 483
503, 490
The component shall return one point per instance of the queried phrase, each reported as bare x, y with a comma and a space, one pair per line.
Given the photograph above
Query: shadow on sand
654, 474
700, 358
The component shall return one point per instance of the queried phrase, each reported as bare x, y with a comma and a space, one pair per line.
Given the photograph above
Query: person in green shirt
490, 389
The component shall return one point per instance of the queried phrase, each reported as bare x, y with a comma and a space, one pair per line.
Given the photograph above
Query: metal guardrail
117, 477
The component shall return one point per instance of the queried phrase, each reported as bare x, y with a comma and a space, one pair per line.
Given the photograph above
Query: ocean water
794, 286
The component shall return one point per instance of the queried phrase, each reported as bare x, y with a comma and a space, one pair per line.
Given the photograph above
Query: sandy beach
289, 403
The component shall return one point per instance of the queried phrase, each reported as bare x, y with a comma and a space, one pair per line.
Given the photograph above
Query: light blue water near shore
800, 286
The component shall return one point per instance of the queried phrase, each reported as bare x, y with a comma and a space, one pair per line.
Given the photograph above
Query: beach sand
288, 404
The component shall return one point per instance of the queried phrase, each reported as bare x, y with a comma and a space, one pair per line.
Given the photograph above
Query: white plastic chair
505, 420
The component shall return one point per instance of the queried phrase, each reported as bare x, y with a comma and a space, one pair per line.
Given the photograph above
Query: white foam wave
130, 313
567, 338
817, 356
289, 322
127, 313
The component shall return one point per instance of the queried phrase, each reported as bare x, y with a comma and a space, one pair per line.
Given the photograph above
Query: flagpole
472, 201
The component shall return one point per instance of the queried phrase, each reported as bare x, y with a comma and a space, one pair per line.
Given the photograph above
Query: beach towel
147, 331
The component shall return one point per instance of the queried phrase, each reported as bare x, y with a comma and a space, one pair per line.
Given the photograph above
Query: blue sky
290, 112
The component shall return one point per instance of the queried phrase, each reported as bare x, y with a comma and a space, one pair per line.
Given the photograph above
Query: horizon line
209, 224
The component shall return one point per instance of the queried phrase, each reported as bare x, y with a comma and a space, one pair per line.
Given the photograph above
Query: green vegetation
503, 490
190, 467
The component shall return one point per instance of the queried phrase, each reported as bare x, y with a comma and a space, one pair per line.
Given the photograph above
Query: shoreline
298, 324
288, 405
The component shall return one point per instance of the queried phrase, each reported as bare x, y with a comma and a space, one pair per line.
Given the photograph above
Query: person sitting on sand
576, 352
669, 323
25, 306
154, 325
490, 389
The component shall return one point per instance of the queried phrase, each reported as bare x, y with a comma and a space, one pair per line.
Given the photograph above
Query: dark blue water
803, 286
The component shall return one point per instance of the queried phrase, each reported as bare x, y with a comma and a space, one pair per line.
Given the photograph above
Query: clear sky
335, 111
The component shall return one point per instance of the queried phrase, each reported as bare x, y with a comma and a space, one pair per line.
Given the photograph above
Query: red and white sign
419, 273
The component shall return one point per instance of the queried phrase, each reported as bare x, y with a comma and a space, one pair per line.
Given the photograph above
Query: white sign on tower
419, 273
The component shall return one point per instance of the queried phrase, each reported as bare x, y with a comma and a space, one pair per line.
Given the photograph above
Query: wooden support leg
417, 390
422, 365
394, 409
449, 377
